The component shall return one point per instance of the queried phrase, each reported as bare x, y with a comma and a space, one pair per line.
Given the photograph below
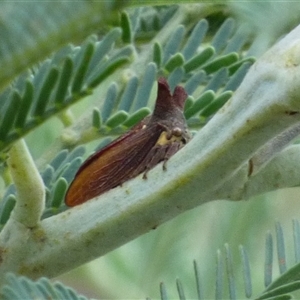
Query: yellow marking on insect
164, 140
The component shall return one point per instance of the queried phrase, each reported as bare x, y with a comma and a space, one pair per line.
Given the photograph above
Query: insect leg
170, 151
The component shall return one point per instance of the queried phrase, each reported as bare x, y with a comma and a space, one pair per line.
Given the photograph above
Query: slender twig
29, 185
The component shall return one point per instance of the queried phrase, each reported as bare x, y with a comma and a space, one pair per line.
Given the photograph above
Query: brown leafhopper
155, 139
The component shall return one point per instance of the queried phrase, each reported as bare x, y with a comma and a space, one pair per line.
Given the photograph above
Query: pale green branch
281, 172
268, 151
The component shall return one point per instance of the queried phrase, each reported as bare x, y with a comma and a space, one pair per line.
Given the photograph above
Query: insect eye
177, 131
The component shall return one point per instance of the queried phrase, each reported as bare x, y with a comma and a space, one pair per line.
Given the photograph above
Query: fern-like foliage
57, 83
226, 286
24, 288
25, 40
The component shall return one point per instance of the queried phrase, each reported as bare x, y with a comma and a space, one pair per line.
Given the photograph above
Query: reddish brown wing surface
112, 165
131, 132
153, 140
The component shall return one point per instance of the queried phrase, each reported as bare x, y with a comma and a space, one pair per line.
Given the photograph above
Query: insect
153, 140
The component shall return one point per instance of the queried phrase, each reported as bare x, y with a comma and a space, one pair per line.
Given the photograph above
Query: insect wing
131, 132
112, 165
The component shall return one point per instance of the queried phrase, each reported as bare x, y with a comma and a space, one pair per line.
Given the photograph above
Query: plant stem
29, 185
